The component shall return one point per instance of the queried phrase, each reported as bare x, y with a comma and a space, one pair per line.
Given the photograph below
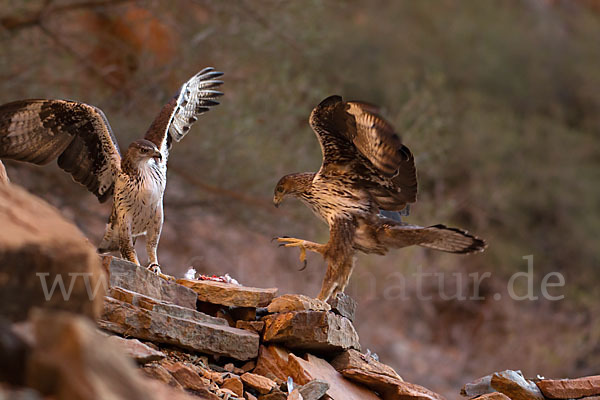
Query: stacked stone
513, 385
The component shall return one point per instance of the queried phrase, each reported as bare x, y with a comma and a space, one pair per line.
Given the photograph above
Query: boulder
515, 386
228, 294
296, 302
72, 361
129, 276
45, 261
570, 388
316, 331
204, 337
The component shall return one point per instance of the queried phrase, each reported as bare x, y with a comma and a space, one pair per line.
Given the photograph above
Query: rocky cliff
76, 326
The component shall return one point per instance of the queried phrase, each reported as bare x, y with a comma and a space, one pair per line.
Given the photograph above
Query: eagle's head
292, 184
143, 150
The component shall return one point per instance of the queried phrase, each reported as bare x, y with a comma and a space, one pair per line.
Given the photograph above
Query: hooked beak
276, 201
157, 156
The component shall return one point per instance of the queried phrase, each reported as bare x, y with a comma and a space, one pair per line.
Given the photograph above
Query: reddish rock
228, 294
45, 261
243, 313
515, 386
235, 385
158, 372
261, 384
129, 276
296, 302
354, 360
273, 363
3, 175
72, 361
187, 377
252, 326
492, 396
315, 331
124, 318
137, 350
303, 371
378, 377
570, 388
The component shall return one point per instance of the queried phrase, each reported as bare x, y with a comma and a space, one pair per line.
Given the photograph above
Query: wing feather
194, 98
438, 237
79, 135
354, 134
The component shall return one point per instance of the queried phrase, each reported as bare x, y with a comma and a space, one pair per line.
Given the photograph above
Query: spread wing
195, 97
79, 135
352, 134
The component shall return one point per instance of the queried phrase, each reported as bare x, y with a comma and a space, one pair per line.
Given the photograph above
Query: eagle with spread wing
367, 179
79, 135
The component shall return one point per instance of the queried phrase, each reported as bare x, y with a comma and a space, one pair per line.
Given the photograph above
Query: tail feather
437, 237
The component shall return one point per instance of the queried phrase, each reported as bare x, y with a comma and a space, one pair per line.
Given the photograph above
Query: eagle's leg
126, 241
304, 246
336, 278
152, 239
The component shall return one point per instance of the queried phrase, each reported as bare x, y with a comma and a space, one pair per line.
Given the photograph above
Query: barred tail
437, 237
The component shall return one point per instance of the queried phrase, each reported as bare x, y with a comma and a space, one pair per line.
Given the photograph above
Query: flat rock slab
137, 279
296, 302
148, 303
261, 384
318, 331
228, 294
570, 388
137, 350
343, 305
124, 318
379, 377
305, 370
515, 386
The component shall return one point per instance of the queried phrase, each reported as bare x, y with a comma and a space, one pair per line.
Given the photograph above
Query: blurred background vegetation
498, 100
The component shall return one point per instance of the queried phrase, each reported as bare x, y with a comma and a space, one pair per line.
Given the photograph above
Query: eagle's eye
280, 189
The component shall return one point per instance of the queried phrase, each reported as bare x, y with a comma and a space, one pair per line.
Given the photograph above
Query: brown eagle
79, 135
367, 178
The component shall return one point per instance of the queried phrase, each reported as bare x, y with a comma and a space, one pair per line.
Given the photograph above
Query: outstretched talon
304, 245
